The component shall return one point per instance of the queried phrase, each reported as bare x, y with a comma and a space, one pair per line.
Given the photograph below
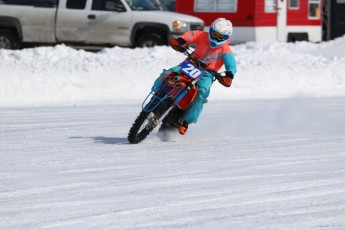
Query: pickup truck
127, 23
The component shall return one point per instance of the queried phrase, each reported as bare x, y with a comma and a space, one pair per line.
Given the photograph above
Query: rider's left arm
231, 69
230, 63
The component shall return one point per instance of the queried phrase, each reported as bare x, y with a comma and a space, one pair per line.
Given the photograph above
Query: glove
226, 80
177, 44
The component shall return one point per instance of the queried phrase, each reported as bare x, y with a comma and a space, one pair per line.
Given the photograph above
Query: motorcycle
167, 105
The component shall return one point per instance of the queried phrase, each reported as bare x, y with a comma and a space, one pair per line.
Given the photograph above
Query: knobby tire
134, 136
139, 130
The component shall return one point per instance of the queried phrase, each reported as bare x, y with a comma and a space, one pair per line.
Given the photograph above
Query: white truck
128, 23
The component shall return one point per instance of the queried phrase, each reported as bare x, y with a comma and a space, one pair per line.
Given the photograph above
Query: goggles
218, 36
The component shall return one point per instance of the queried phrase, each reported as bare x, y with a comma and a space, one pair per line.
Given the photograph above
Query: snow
62, 75
268, 153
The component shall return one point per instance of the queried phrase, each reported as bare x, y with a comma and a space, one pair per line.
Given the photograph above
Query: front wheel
147, 121
8, 40
150, 40
142, 127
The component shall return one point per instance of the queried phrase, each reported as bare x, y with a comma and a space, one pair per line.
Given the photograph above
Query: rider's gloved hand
178, 44
226, 80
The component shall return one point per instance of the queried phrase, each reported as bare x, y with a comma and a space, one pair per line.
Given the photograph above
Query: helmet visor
218, 36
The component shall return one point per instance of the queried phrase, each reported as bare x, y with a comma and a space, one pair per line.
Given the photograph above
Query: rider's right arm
191, 37
177, 44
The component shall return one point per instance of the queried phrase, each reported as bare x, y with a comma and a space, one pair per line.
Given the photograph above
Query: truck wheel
150, 40
8, 40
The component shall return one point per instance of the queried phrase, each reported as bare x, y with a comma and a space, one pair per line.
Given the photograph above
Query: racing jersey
213, 57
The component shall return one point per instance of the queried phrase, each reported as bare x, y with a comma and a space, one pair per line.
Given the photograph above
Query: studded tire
145, 122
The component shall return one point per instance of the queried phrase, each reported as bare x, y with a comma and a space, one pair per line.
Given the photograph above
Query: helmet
220, 32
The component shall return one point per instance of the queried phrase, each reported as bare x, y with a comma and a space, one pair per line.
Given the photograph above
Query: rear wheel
173, 118
165, 131
170, 124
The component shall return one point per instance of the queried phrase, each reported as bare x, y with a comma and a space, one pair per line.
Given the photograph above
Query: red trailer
261, 20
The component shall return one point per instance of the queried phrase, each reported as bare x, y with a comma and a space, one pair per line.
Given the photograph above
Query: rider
213, 48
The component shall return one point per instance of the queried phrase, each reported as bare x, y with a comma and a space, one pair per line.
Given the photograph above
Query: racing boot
182, 129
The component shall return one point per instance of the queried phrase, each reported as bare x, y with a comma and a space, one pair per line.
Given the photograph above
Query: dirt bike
167, 105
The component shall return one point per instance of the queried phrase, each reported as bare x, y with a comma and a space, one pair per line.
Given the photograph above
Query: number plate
190, 70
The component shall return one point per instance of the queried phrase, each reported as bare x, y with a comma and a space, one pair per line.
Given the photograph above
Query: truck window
19, 2
76, 4
143, 5
35, 3
168, 5
108, 5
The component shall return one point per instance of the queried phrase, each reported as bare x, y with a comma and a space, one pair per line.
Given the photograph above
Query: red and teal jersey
216, 57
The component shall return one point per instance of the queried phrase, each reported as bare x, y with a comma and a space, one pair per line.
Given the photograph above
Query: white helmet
220, 32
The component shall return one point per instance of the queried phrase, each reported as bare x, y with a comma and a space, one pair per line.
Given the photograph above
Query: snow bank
62, 75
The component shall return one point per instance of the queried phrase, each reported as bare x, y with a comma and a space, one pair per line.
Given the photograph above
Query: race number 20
190, 70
